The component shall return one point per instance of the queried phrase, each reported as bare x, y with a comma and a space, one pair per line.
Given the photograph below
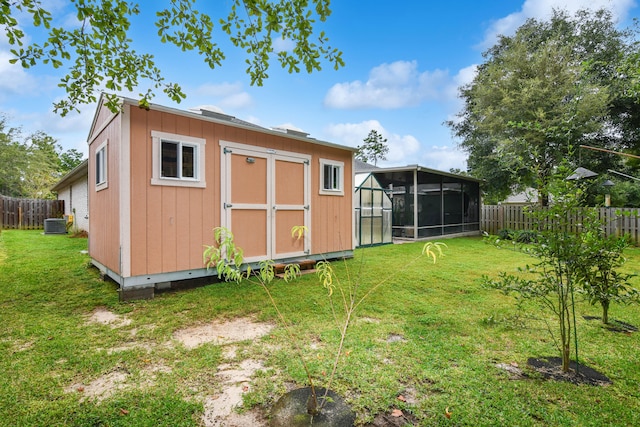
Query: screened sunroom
428, 203
373, 211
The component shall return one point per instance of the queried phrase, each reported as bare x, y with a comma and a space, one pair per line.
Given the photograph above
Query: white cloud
228, 95
15, 79
70, 131
395, 85
402, 148
542, 9
443, 158
237, 101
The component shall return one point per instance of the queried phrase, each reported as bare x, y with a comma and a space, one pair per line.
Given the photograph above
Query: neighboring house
425, 203
73, 189
524, 198
162, 179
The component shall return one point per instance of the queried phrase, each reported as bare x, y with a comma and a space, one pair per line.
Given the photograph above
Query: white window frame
338, 189
157, 138
102, 166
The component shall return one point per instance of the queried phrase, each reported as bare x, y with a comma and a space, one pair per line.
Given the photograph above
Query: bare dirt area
234, 377
101, 388
105, 317
221, 333
219, 410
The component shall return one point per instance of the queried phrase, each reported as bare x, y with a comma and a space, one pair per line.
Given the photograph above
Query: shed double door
265, 193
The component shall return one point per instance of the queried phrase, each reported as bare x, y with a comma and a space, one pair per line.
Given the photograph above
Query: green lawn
451, 334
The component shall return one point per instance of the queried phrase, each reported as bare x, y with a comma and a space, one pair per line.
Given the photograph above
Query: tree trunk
605, 311
566, 353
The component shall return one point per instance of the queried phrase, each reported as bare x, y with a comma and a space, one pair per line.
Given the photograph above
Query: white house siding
73, 189
80, 202
75, 197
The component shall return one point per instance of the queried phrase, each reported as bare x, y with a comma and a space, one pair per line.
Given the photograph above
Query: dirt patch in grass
108, 384
393, 338
102, 387
22, 346
220, 333
219, 409
515, 373
234, 379
105, 317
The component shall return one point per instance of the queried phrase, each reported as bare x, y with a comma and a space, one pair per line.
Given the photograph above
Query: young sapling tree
559, 251
345, 296
601, 281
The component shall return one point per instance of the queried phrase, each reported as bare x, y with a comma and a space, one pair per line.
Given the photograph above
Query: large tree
98, 53
31, 166
12, 160
540, 94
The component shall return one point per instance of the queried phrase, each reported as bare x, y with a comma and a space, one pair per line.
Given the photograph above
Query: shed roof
220, 118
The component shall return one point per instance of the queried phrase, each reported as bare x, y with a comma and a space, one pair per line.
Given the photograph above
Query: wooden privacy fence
618, 221
28, 213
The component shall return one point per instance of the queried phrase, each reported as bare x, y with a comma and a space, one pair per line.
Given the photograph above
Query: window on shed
331, 177
101, 166
178, 160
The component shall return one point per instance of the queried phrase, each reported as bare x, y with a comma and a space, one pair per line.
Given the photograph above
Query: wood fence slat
617, 221
28, 213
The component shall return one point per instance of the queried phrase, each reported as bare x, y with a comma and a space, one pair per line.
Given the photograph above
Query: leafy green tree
540, 94
30, 167
12, 160
555, 277
601, 280
100, 52
69, 160
373, 149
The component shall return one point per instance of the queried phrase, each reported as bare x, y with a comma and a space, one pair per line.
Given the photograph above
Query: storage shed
428, 203
160, 181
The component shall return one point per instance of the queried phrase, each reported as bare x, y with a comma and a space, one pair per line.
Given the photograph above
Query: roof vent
216, 115
292, 132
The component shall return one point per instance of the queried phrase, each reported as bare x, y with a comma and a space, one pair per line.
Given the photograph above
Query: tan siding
170, 225
169, 228
153, 194
104, 205
140, 170
211, 196
332, 216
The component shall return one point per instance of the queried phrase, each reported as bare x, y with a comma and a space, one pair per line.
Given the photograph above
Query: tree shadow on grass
615, 325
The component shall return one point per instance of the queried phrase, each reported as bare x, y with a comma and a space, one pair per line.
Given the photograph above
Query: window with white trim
331, 177
178, 160
101, 166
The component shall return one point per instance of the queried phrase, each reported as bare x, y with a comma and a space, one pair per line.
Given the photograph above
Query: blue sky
404, 64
